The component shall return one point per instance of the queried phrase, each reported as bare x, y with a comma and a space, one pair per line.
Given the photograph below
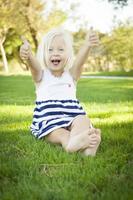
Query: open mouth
55, 61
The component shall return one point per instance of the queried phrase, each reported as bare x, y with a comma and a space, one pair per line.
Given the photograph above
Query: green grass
113, 73
32, 169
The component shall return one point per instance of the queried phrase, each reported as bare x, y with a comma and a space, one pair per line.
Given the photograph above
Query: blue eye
50, 49
61, 49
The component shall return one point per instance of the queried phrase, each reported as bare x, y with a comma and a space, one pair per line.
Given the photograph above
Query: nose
55, 53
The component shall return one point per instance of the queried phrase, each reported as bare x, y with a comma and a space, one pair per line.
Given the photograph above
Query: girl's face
57, 54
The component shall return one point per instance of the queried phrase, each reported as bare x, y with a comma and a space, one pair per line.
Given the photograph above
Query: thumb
25, 41
91, 28
91, 31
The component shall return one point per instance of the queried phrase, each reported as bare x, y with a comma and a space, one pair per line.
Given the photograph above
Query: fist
92, 39
25, 49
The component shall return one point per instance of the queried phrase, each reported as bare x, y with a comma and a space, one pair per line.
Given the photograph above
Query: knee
83, 120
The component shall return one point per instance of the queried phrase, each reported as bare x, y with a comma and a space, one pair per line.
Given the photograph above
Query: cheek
48, 58
64, 57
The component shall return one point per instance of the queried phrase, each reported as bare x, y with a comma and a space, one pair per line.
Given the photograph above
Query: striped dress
56, 104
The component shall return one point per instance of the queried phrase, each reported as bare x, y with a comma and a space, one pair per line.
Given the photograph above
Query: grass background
32, 169
111, 73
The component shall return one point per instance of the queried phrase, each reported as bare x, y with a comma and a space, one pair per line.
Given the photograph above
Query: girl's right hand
25, 49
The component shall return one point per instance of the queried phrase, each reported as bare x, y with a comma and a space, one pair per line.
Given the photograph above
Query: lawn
32, 169
112, 73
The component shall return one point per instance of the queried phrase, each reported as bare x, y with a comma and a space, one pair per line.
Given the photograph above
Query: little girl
58, 115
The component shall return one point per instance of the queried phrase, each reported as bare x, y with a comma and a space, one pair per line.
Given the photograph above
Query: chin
56, 68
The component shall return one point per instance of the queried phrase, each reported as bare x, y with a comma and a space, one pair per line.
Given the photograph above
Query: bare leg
82, 136
59, 136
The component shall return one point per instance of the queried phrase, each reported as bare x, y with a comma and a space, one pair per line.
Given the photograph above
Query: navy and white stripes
52, 114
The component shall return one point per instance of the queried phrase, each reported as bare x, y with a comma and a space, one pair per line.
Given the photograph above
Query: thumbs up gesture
92, 38
25, 49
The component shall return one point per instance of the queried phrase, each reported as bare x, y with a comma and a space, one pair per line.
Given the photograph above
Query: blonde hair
42, 51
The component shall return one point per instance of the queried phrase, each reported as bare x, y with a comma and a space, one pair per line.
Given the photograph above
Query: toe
98, 131
91, 131
98, 138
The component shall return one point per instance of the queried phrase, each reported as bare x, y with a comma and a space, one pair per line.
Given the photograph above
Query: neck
57, 73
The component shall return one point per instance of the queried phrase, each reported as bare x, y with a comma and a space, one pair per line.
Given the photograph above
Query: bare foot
91, 150
82, 141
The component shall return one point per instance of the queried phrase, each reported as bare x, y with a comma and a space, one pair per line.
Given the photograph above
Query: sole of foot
91, 151
80, 141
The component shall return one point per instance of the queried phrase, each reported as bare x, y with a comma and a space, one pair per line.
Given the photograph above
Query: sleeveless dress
56, 104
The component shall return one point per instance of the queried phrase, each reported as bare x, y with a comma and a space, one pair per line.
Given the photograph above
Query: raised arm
91, 41
27, 56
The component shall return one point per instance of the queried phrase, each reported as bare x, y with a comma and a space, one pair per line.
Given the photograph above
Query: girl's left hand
92, 39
